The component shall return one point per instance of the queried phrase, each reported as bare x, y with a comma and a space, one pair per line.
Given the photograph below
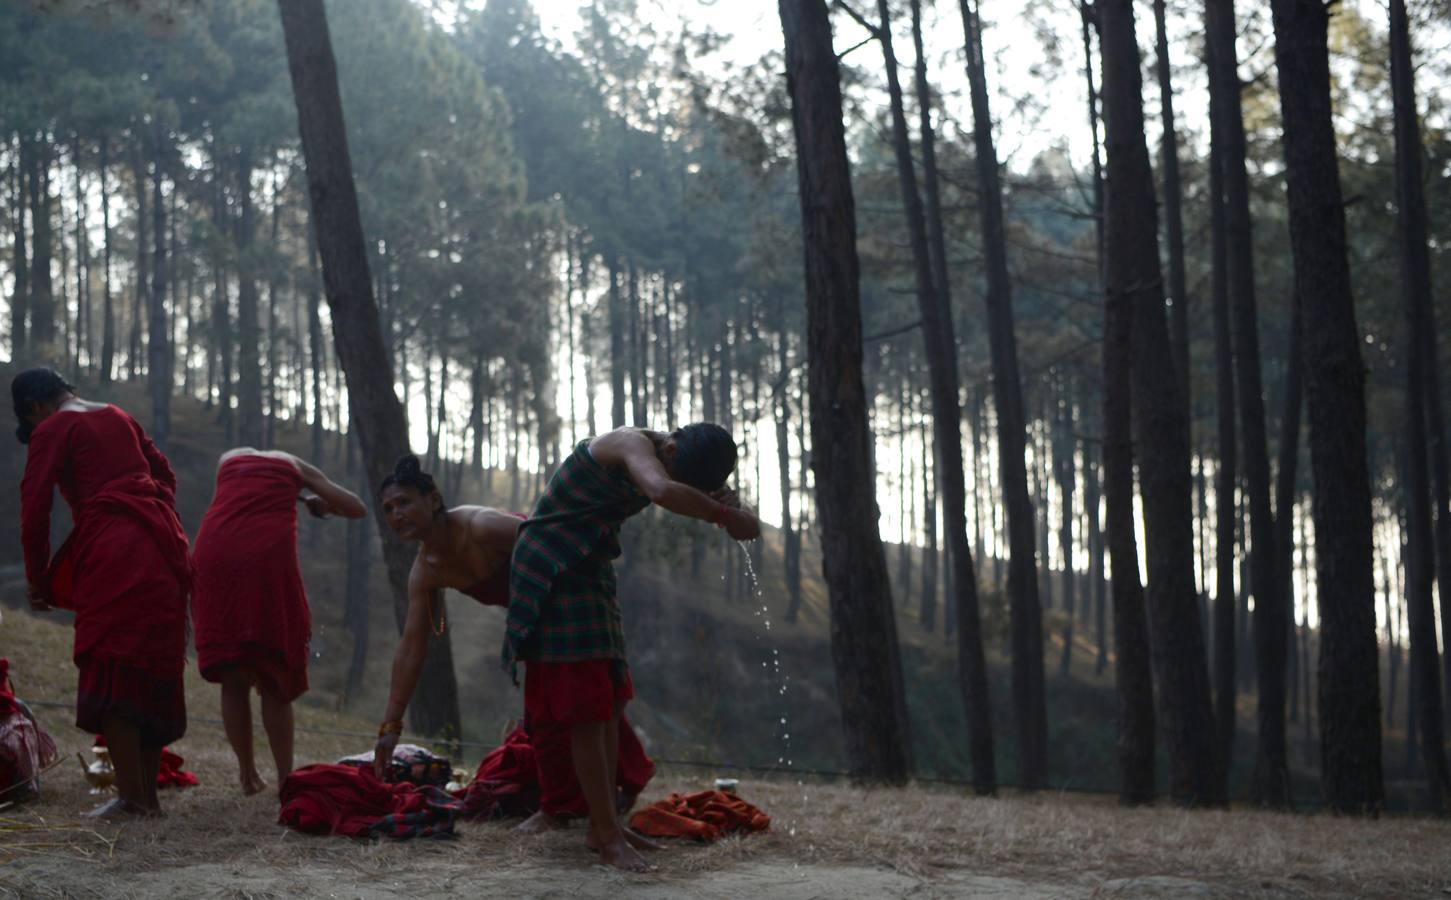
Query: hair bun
408, 465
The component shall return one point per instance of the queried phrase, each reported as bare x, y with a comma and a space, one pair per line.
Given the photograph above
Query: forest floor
828, 840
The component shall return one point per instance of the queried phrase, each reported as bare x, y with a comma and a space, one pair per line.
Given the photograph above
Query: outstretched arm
637, 452
407, 666
335, 499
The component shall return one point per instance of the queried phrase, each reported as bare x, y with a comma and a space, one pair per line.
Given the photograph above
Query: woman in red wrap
468, 548
249, 608
124, 570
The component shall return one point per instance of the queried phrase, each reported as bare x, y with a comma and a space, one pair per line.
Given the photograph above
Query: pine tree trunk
791, 540
863, 630
42, 300
1065, 454
1133, 670
1270, 786
618, 361
158, 344
108, 313
1161, 423
1025, 612
138, 305
376, 412
1226, 654
1173, 202
249, 335
20, 297
1285, 491
946, 417
1416, 282
315, 345
1349, 678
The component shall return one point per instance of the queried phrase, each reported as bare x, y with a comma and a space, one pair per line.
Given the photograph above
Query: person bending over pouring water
564, 619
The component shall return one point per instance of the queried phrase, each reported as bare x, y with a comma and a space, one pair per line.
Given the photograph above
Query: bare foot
616, 851
116, 808
640, 842
541, 822
636, 840
252, 783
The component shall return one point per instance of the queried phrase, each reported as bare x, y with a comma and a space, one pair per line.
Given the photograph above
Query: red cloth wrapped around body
249, 606
706, 816
124, 569
509, 781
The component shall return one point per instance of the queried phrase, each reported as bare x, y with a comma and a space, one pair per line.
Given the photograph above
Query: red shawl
125, 569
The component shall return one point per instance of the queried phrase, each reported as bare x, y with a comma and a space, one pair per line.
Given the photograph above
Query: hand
742, 525
726, 497
383, 754
38, 596
318, 507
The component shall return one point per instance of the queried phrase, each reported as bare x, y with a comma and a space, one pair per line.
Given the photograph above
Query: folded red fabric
706, 816
351, 801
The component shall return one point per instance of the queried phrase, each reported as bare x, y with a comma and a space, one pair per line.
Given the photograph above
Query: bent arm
156, 461
649, 475
339, 499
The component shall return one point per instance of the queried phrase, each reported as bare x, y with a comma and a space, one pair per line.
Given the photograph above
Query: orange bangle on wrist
394, 726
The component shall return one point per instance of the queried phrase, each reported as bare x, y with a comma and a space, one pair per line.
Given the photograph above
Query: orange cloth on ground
249, 606
705, 816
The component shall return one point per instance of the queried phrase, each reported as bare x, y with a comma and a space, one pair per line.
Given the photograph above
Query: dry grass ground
828, 841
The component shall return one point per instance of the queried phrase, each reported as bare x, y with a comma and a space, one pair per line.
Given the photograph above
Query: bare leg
237, 722
277, 720
150, 765
588, 745
612, 753
123, 742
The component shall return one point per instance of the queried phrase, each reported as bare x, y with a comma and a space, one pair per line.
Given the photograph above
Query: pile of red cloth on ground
171, 773
706, 816
351, 801
25, 749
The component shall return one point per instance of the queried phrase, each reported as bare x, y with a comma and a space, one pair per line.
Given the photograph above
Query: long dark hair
33, 388
408, 472
705, 455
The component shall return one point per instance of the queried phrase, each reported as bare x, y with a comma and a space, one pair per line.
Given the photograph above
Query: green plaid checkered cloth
562, 605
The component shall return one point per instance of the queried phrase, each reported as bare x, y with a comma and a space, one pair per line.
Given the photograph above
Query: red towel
249, 607
705, 816
125, 568
351, 801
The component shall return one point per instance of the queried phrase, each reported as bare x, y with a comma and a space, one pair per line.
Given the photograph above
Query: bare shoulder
611, 448
490, 524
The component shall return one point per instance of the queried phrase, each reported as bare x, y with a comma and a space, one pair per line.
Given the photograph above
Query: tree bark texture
1025, 611
941, 351
1416, 282
375, 410
863, 630
1161, 423
1348, 674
